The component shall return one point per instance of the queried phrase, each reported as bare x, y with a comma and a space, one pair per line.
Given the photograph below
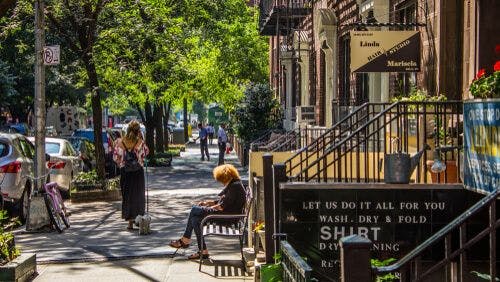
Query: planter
20, 269
95, 195
450, 174
262, 238
87, 186
271, 273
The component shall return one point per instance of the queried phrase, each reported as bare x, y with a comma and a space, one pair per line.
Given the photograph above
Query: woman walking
129, 154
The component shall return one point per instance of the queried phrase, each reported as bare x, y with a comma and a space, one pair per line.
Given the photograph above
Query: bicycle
54, 203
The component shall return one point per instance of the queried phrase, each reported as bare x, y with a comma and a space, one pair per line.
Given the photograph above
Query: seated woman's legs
195, 217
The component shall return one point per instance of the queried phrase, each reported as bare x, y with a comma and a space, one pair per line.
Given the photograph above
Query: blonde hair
133, 131
226, 173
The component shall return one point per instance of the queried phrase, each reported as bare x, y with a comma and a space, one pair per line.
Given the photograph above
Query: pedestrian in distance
231, 200
129, 154
222, 141
211, 132
203, 136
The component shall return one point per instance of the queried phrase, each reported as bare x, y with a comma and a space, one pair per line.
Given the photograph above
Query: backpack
131, 162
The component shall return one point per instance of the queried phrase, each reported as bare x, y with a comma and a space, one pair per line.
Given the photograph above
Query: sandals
178, 244
197, 256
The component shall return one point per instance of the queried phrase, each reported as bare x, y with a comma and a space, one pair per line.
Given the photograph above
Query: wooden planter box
20, 269
95, 195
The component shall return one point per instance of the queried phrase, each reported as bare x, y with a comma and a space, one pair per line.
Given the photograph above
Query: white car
16, 163
64, 163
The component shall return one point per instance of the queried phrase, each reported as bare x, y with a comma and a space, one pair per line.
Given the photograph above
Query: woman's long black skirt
133, 196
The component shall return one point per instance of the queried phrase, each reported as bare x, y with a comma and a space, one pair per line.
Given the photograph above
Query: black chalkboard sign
395, 220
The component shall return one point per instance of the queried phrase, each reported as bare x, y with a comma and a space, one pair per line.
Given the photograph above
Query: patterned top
141, 150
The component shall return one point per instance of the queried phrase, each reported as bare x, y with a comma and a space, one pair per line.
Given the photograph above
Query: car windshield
52, 148
4, 149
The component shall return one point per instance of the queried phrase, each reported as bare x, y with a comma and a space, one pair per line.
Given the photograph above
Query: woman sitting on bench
231, 200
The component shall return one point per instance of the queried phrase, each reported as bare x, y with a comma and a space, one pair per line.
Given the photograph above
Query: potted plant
259, 228
14, 266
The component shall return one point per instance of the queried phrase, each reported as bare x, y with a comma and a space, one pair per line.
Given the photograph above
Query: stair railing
316, 148
410, 267
358, 156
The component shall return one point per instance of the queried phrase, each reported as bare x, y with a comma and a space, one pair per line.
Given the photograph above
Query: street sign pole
39, 105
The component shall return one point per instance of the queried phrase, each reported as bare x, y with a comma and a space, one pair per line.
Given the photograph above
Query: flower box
20, 269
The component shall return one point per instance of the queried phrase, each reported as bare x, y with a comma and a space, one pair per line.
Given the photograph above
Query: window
4, 149
406, 13
52, 148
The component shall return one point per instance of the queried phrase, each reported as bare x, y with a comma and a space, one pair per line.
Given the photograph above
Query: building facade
310, 51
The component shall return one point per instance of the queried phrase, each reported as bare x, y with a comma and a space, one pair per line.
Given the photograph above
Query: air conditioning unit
306, 114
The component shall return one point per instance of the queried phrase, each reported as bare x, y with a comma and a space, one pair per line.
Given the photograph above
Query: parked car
108, 139
64, 163
85, 150
16, 163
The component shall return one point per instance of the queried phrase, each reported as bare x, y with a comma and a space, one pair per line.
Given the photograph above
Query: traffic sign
51, 55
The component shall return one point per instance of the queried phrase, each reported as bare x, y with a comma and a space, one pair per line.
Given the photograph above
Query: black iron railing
280, 12
294, 266
316, 148
455, 255
357, 154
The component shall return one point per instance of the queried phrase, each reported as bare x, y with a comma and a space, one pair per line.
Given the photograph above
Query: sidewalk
98, 247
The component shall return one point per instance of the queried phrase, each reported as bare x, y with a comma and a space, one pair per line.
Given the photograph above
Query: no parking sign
51, 55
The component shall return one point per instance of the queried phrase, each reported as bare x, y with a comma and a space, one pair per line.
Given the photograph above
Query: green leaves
258, 111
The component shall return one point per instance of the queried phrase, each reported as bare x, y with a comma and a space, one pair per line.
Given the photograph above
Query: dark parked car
108, 139
85, 150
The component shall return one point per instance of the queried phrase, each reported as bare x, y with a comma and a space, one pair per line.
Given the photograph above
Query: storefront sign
396, 220
385, 51
482, 145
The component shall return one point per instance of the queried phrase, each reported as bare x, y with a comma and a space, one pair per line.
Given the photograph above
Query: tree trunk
96, 114
158, 120
166, 118
185, 114
150, 127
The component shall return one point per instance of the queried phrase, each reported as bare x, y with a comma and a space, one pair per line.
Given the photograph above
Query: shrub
8, 249
258, 111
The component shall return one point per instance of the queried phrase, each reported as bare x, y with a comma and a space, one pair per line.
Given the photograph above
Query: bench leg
242, 255
201, 251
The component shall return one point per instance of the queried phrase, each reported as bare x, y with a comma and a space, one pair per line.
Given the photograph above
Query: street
98, 236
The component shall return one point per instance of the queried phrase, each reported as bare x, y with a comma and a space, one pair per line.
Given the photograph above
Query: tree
258, 111
77, 22
17, 53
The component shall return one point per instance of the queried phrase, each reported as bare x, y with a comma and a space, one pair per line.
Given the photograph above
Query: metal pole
39, 92
39, 106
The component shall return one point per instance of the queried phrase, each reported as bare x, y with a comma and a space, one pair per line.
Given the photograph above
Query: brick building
310, 51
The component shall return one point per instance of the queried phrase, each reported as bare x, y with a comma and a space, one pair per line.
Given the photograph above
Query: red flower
480, 74
496, 67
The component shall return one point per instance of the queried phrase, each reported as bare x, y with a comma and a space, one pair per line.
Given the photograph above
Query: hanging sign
482, 145
385, 51
51, 55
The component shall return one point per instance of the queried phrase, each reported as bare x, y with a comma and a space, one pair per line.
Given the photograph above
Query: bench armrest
221, 216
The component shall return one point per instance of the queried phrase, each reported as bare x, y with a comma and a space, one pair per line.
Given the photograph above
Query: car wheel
24, 203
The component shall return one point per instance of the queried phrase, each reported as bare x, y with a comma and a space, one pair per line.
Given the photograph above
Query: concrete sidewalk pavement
98, 247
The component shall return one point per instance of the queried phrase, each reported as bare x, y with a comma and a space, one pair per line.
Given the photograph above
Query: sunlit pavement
98, 247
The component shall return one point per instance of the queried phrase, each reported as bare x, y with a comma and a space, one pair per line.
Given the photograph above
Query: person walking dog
222, 141
129, 154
